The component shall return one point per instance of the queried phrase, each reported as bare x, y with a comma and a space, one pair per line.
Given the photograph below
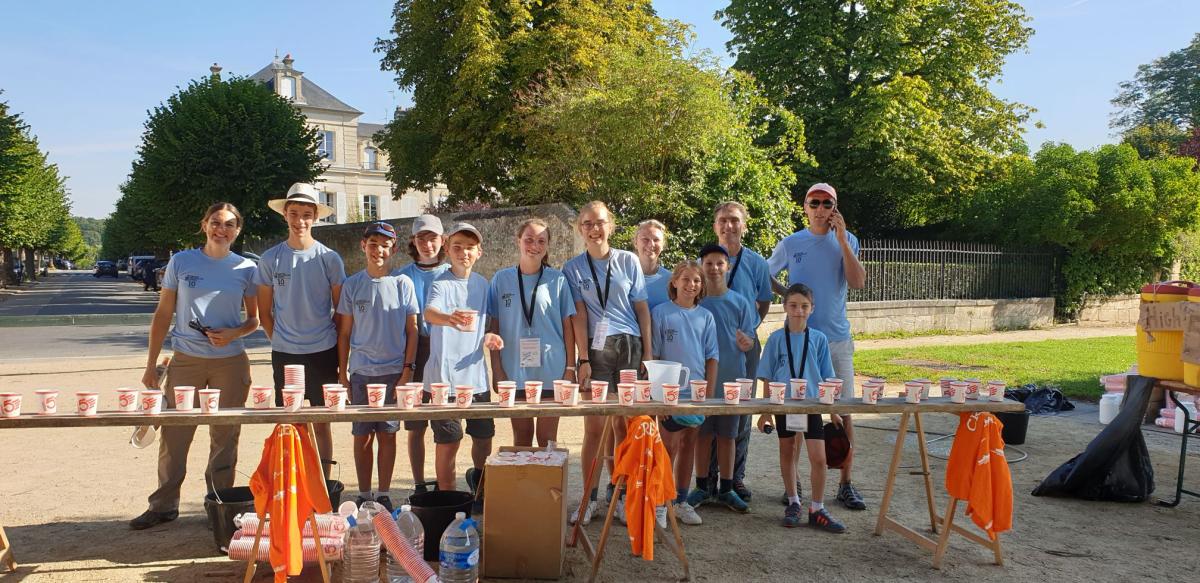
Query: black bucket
1015, 426
436, 510
227, 503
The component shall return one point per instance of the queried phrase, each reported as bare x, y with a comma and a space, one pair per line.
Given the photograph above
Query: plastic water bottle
360, 557
459, 554
414, 532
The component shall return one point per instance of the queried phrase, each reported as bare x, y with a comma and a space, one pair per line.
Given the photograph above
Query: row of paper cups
87, 403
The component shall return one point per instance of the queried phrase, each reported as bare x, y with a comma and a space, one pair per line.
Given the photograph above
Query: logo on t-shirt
798, 256
191, 279
362, 305
670, 333
507, 299
586, 284
281, 279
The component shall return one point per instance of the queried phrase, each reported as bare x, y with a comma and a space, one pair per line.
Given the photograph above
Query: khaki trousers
232, 376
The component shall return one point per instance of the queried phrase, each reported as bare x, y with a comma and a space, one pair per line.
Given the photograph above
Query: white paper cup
533, 392
877, 390
47, 401
439, 394
151, 401
570, 394
957, 392
912, 391
627, 392
699, 391
799, 387
293, 374
973, 389
945, 384
837, 387
869, 394
185, 398
210, 401
376, 395
335, 399
127, 400
406, 397
293, 399
463, 395
643, 391
995, 391
599, 391
87, 403
776, 393
10, 404
472, 319
506, 396
670, 394
262, 397
733, 393
826, 393
747, 386
627, 375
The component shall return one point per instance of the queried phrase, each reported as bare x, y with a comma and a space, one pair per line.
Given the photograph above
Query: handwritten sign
1155, 317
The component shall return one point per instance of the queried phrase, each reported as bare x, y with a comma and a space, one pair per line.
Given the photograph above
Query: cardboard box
524, 519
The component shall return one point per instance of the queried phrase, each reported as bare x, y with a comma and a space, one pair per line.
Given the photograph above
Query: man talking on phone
825, 258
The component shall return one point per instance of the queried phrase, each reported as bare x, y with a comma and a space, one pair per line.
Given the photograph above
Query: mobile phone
197, 326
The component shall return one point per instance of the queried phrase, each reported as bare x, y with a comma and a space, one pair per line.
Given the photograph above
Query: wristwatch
411, 365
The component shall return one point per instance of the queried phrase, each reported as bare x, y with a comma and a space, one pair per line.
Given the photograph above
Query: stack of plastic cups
401, 549
241, 543
628, 375
328, 525
293, 374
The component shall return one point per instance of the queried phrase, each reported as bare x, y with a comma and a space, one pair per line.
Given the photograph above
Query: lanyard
787, 339
736, 264
607, 279
527, 309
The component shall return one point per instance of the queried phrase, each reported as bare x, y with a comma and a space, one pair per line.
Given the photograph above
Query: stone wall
924, 315
499, 228
1110, 311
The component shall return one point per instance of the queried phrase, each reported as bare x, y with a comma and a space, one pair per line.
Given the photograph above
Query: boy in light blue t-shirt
377, 342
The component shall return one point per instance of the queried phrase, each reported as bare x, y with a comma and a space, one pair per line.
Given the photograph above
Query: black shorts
816, 427
669, 425
320, 368
621, 351
418, 376
451, 431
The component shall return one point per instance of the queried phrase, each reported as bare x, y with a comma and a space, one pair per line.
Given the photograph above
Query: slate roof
314, 95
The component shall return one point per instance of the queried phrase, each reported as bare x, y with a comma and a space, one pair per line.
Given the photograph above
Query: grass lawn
1074, 365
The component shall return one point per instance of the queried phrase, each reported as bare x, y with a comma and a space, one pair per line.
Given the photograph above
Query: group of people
437, 321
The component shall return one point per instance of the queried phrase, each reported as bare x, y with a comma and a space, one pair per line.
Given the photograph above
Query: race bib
531, 352
601, 334
796, 423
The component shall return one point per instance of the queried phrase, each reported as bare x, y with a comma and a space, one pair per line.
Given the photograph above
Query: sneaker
386, 502
151, 518
592, 511
620, 512
660, 516
791, 516
850, 498
474, 475
783, 500
823, 520
360, 500
742, 491
734, 502
686, 514
423, 487
698, 498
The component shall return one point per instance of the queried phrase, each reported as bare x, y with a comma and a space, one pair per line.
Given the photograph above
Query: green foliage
894, 96
14, 160
37, 204
1166, 90
1158, 139
91, 229
664, 136
468, 61
1116, 218
215, 140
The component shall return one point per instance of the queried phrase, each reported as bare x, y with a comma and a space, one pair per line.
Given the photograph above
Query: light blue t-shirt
656, 287
628, 286
774, 364
816, 261
421, 280
552, 304
752, 277
458, 357
687, 336
212, 291
380, 308
302, 304
731, 312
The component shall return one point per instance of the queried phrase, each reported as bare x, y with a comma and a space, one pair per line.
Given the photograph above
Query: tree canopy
215, 140
1166, 90
894, 97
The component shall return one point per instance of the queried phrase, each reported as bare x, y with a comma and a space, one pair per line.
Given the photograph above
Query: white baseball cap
427, 223
822, 187
465, 228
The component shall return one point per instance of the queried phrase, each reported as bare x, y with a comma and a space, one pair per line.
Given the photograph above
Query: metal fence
939, 270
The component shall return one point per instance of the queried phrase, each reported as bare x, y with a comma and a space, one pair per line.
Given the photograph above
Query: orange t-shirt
644, 462
978, 472
288, 487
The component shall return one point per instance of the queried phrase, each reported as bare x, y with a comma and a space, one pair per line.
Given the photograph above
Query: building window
325, 145
288, 88
330, 199
370, 158
370, 207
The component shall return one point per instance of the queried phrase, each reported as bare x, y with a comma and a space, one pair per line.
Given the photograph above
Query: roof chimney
288, 60
215, 69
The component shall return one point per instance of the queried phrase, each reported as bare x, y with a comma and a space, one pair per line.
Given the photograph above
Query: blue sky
84, 74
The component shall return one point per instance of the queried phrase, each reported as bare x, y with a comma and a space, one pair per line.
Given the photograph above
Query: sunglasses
380, 225
827, 203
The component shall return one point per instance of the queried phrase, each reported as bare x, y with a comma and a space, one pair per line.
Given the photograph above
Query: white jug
665, 371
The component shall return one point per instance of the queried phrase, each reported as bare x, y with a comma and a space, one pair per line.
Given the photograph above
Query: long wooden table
493, 410
1189, 426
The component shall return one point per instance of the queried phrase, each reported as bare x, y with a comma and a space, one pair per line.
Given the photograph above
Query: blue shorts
358, 396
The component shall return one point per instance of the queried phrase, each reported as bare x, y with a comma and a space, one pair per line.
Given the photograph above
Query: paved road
78, 293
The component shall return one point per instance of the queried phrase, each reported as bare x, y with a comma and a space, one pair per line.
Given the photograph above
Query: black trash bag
1040, 401
1115, 467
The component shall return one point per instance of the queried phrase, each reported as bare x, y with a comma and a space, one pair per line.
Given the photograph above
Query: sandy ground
68, 494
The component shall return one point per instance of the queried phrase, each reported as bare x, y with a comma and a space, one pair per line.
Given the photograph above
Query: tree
659, 135
894, 96
13, 159
466, 61
1158, 139
35, 207
1166, 90
215, 140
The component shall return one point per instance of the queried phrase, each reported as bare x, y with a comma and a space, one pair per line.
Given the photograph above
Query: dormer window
287, 87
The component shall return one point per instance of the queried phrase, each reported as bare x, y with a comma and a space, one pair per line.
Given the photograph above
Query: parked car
122, 264
135, 265
105, 268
